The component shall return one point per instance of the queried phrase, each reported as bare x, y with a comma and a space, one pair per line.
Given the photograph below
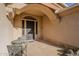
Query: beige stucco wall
6, 33
67, 31
17, 30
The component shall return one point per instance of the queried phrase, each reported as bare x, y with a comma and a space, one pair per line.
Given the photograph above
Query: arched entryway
38, 11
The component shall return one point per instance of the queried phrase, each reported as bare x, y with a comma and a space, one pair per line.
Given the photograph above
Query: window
70, 4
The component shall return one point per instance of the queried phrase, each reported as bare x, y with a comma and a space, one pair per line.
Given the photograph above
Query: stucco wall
6, 33
67, 31
17, 28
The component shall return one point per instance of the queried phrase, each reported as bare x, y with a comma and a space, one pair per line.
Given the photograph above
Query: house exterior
50, 22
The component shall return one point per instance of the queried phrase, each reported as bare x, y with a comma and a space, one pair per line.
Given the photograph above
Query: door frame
25, 28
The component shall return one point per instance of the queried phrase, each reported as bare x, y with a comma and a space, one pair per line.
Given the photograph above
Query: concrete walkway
36, 48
